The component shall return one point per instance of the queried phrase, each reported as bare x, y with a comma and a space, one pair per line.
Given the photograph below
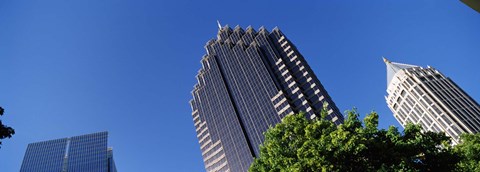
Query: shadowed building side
474, 4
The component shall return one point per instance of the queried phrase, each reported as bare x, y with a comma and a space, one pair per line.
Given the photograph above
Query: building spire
219, 25
393, 68
386, 60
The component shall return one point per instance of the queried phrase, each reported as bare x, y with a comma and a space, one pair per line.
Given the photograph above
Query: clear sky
127, 66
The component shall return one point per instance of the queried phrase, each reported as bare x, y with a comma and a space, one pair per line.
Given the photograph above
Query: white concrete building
425, 96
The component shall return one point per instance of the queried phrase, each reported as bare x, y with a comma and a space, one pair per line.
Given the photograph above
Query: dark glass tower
249, 81
80, 153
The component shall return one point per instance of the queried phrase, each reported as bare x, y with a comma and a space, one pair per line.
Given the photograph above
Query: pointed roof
393, 68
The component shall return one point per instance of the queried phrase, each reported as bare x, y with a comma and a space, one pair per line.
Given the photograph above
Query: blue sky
75, 67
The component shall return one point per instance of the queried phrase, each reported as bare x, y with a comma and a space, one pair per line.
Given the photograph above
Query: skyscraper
248, 82
425, 96
80, 153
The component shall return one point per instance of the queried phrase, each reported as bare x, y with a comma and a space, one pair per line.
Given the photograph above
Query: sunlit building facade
249, 81
80, 153
425, 96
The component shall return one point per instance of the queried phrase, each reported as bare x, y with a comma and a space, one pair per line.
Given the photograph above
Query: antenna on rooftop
219, 25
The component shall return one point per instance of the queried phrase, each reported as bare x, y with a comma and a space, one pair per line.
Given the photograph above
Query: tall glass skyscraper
425, 96
249, 81
80, 153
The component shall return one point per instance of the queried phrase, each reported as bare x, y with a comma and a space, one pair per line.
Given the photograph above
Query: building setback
425, 96
249, 81
80, 153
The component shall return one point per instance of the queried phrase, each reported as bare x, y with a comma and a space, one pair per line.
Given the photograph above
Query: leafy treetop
5, 131
299, 144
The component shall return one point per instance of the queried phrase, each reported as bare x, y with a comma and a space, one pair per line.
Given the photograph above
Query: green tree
5, 131
299, 144
469, 150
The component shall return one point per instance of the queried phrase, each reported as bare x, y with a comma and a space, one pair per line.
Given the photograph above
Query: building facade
80, 153
249, 81
425, 96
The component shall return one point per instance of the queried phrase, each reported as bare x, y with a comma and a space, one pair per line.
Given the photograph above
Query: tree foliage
5, 131
299, 144
469, 150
